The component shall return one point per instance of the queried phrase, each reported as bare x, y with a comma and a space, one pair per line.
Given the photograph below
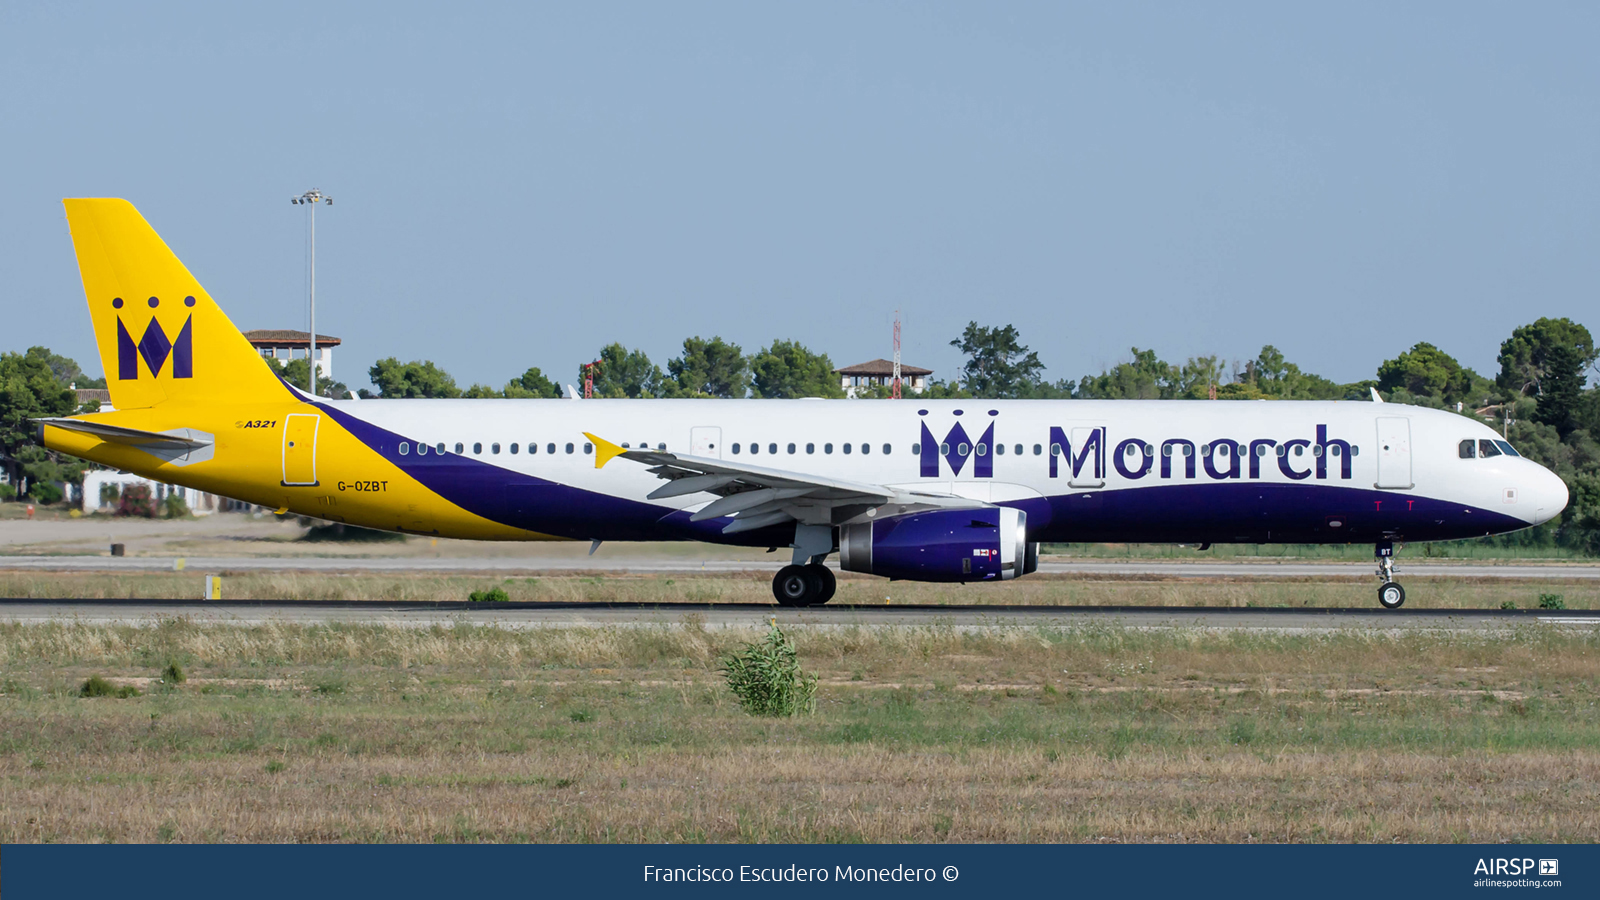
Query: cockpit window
1468, 449
1509, 450
1487, 448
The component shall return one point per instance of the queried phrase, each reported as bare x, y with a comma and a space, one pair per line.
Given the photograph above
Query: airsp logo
1549, 867
154, 346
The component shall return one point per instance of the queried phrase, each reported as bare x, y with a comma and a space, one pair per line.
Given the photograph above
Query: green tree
482, 392
713, 368
415, 379
29, 389
298, 373
626, 373
998, 365
1425, 371
787, 370
531, 385
1548, 360
1144, 377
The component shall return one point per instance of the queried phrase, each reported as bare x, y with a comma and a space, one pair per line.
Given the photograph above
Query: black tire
824, 583
793, 586
1391, 595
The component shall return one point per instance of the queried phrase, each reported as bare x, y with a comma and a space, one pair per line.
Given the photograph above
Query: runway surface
624, 564
570, 615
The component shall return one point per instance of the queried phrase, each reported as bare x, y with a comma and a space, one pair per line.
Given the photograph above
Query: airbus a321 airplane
950, 490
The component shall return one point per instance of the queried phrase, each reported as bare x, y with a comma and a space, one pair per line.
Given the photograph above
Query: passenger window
569, 448
460, 448
1166, 449
944, 449
494, 448
735, 448
1509, 450
791, 449
422, 449
772, 448
847, 449
888, 449
662, 447
1055, 449
532, 448
983, 449
866, 448
477, 448
404, 448
1486, 448
1037, 449
827, 448
439, 449
588, 448
811, 448
916, 449
1018, 449
999, 449
551, 448
963, 449
513, 449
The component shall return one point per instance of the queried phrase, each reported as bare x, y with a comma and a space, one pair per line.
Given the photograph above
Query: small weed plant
765, 676
173, 674
1552, 601
99, 687
492, 595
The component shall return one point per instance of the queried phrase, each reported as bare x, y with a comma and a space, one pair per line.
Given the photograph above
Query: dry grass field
372, 733
755, 587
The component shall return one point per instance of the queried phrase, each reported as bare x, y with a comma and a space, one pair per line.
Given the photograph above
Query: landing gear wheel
823, 581
1391, 595
794, 586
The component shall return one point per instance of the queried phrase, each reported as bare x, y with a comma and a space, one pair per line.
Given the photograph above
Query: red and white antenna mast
895, 393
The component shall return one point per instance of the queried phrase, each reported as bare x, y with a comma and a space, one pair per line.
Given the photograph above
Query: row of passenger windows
1485, 448
982, 449
477, 448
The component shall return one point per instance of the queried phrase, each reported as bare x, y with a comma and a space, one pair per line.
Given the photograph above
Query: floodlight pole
311, 198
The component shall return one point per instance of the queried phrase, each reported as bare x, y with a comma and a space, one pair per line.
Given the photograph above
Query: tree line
1540, 397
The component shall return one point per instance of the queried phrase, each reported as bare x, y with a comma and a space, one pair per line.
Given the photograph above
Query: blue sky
520, 184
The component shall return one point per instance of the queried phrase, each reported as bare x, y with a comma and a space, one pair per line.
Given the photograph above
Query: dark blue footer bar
30, 872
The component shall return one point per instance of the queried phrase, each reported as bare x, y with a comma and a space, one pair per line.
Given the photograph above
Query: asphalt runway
593, 615
623, 564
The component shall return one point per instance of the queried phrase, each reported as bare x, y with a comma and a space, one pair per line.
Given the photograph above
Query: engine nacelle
942, 545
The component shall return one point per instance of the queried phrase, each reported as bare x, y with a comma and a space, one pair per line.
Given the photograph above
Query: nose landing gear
1390, 594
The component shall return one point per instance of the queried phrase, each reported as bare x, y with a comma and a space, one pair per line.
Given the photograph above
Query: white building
880, 373
284, 345
200, 503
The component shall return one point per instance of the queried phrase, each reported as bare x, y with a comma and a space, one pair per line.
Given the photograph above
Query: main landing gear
1390, 594
807, 582
808, 585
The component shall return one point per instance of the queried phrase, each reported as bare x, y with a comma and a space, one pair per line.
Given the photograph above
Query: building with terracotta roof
284, 345
880, 373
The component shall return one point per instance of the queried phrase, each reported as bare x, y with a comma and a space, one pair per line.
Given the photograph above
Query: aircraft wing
757, 496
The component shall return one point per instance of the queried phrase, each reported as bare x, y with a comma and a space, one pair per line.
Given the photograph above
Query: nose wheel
808, 585
1390, 594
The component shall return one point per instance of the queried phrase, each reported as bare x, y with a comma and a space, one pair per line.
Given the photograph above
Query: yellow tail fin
161, 337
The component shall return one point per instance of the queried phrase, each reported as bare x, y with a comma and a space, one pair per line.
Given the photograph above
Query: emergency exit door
706, 440
300, 449
1394, 452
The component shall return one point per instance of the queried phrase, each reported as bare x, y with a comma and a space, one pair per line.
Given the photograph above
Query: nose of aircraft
1549, 496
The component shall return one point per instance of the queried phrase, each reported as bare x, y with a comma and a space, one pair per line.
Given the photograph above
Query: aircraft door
1394, 452
706, 441
300, 448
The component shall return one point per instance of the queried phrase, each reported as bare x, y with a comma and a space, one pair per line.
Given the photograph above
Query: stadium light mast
310, 199
894, 394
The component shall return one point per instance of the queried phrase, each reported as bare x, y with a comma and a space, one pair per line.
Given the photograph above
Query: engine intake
942, 545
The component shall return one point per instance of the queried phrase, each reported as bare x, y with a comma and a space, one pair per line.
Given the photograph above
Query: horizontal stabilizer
116, 434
